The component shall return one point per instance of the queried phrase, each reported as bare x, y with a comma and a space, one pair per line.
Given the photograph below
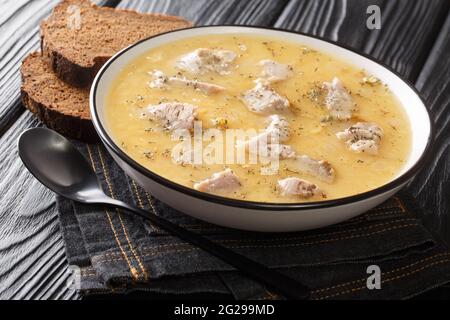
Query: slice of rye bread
76, 51
60, 106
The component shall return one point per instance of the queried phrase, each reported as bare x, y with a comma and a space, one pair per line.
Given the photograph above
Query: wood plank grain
403, 42
432, 186
32, 257
31, 249
210, 12
19, 35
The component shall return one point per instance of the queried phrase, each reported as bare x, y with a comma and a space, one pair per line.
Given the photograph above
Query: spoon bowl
57, 164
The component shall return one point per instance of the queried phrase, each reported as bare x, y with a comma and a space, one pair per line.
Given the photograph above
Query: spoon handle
285, 285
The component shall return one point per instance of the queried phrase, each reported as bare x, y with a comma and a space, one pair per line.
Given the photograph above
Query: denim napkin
117, 253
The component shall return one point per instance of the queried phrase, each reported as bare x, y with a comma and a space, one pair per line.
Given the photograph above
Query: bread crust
73, 72
68, 125
60, 117
68, 71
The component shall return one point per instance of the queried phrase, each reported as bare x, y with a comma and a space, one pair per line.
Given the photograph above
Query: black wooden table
414, 39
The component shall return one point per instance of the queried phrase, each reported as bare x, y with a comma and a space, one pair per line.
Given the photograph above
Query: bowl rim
256, 205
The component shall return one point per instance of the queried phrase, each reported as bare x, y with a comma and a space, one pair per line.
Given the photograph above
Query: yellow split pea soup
215, 74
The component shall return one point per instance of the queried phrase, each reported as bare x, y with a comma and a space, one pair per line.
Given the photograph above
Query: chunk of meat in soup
320, 169
220, 181
365, 146
362, 137
266, 144
273, 71
162, 81
172, 115
273, 150
263, 99
280, 127
337, 100
203, 60
277, 131
293, 186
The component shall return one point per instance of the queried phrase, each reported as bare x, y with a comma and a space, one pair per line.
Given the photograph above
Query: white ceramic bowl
258, 216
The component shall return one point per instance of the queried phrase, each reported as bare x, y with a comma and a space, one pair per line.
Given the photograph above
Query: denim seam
148, 253
400, 204
387, 280
123, 254
141, 204
130, 245
313, 242
386, 273
139, 200
153, 248
152, 205
324, 236
364, 217
205, 227
268, 296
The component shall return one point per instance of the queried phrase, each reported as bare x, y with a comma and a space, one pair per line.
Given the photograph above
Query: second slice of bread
57, 104
78, 37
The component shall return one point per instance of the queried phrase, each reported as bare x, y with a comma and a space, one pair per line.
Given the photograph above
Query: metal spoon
55, 162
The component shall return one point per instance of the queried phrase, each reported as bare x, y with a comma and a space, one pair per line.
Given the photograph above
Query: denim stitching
289, 239
172, 245
141, 204
389, 272
388, 280
149, 253
120, 216
124, 255
136, 193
